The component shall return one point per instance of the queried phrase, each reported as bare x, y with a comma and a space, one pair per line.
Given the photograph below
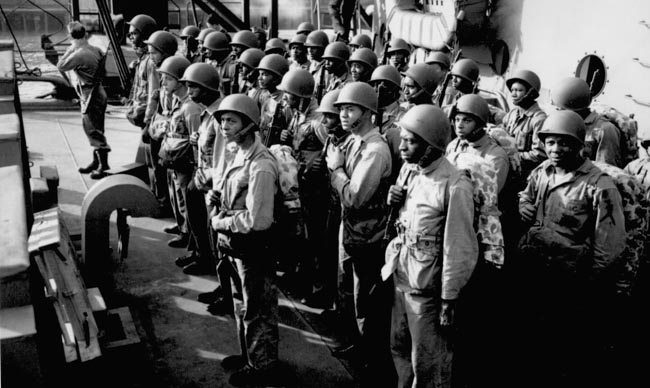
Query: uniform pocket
423, 266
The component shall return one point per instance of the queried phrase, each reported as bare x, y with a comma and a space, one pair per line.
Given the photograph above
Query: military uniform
139, 90
87, 63
321, 80
248, 196
573, 245
362, 186
602, 141
306, 65
488, 149
185, 120
640, 168
431, 259
270, 127
337, 82
523, 125
308, 141
390, 116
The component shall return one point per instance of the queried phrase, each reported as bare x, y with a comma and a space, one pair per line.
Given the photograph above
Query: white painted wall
551, 36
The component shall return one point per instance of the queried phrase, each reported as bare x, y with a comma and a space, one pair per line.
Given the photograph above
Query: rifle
384, 54
445, 83
274, 124
234, 85
392, 215
321, 84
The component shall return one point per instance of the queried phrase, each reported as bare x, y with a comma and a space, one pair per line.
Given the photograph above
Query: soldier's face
351, 117
232, 127
169, 83
135, 36
517, 91
410, 88
465, 125
330, 121
156, 55
330, 64
289, 100
456, 81
357, 71
267, 79
297, 51
411, 146
315, 53
196, 92
561, 150
397, 59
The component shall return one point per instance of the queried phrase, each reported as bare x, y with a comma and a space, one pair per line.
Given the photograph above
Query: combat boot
101, 169
92, 166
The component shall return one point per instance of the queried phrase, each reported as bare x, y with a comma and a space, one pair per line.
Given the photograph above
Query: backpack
486, 212
637, 219
627, 125
509, 144
289, 217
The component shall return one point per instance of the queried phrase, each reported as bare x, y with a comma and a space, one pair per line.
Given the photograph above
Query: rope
35, 71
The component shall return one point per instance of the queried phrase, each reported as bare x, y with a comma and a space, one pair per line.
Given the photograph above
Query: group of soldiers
425, 213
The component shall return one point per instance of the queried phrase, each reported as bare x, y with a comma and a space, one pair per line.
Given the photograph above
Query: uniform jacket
489, 150
87, 62
602, 141
308, 140
579, 226
362, 186
640, 169
267, 112
337, 82
524, 125
436, 248
248, 190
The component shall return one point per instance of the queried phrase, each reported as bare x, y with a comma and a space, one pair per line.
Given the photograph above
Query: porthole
592, 69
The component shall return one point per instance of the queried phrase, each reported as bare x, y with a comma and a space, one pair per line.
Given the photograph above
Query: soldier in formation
420, 202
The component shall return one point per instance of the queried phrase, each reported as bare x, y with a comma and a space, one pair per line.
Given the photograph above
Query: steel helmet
274, 63
245, 38
425, 76
467, 69
337, 50
396, 45
298, 39
305, 28
438, 57
251, 57
387, 73
190, 31
174, 66
527, 77
364, 55
298, 82
565, 123
163, 41
203, 74
430, 123
327, 102
317, 38
571, 93
216, 41
241, 104
358, 93
275, 45
144, 23
204, 32
361, 40
474, 105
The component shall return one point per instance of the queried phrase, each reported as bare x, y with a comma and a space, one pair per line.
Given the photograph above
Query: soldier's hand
335, 158
194, 138
527, 212
447, 312
396, 195
213, 197
217, 221
317, 166
285, 136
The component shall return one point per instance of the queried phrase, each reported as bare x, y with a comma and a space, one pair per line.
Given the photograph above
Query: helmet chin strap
414, 96
360, 120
